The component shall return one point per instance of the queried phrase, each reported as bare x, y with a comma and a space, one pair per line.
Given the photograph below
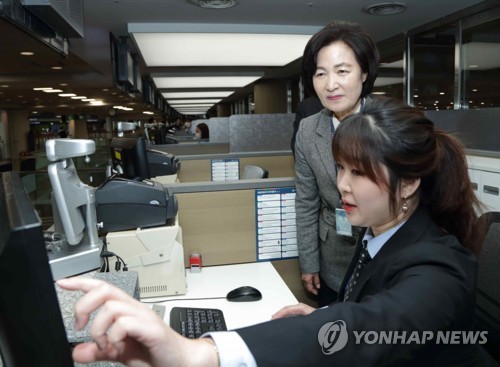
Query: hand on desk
127, 331
293, 310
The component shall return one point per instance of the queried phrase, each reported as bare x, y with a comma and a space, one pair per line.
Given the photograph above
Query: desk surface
217, 281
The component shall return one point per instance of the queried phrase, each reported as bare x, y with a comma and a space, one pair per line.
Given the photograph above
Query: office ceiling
87, 69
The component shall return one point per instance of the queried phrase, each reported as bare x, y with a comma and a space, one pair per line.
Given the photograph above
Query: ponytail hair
449, 193
404, 140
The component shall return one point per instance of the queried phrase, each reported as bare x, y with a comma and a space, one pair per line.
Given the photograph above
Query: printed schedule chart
225, 169
275, 220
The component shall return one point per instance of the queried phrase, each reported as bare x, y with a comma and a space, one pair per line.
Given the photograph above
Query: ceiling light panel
194, 112
200, 108
220, 49
214, 94
191, 101
186, 108
175, 105
203, 81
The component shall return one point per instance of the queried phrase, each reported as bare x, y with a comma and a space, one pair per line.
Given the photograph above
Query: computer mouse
244, 294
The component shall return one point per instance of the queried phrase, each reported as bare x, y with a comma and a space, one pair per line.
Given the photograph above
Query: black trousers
326, 295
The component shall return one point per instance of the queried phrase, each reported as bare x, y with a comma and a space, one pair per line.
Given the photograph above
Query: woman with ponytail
408, 298
390, 137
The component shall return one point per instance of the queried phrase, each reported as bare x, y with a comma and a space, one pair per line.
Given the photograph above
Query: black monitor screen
31, 327
160, 134
129, 158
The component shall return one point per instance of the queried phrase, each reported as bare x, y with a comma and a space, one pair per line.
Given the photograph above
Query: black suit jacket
421, 280
307, 107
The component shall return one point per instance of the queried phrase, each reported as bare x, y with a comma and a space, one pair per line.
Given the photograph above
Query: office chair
488, 287
250, 171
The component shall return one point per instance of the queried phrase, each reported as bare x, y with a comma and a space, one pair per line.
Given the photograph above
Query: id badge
344, 228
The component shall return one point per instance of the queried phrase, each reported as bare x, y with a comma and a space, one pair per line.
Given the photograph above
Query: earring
404, 208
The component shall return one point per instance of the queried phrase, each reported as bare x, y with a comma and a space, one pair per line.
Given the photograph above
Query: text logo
332, 336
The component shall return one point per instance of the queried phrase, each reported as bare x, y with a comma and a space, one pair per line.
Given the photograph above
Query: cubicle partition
239, 133
260, 132
193, 148
218, 220
218, 128
196, 168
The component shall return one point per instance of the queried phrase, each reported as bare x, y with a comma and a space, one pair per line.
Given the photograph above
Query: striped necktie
363, 259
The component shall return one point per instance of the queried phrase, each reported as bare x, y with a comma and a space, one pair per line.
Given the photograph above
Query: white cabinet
490, 189
485, 177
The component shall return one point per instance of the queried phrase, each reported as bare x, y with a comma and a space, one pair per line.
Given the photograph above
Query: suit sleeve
421, 294
307, 206
298, 117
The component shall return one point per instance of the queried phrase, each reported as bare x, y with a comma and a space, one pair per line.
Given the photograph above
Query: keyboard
193, 322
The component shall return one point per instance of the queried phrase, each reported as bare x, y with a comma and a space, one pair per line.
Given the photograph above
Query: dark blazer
421, 280
306, 107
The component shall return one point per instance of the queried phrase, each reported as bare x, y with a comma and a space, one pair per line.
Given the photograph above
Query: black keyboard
193, 322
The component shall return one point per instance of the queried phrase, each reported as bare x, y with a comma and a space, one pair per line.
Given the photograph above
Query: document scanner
139, 219
123, 204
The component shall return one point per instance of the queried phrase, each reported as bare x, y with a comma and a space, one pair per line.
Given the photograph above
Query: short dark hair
354, 36
205, 133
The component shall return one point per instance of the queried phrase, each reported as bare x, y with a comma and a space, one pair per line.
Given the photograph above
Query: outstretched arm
127, 331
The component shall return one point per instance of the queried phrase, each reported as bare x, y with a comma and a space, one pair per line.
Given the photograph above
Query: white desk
217, 281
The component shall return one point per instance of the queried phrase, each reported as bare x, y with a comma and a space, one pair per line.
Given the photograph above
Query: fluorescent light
173, 95
192, 112
200, 106
191, 104
203, 81
67, 95
192, 109
191, 101
52, 90
220, 49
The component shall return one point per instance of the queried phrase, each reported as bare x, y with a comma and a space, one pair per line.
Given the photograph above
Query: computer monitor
160, 134
31, 327
129, 158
